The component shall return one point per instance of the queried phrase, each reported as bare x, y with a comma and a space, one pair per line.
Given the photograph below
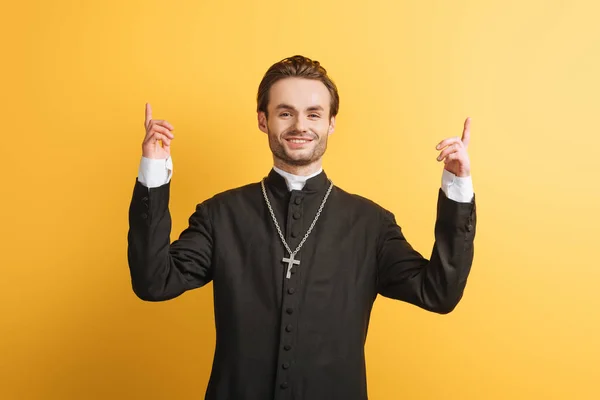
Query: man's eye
314, 116
285, 114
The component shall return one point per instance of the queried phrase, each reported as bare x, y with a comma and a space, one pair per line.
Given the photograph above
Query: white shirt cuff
457, 188
155, 172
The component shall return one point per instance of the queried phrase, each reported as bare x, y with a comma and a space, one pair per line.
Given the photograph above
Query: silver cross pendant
290, 262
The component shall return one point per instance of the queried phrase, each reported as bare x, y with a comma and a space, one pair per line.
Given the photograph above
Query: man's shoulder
235, 194
358, 201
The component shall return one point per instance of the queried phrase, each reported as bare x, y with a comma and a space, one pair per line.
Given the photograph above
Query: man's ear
262, 121
331, 125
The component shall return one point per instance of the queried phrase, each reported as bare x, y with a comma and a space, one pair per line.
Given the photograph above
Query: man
296, 263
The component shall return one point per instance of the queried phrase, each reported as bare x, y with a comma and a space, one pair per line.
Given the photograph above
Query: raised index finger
466, 136
148, 114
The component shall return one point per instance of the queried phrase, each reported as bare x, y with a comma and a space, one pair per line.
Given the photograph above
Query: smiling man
296, 262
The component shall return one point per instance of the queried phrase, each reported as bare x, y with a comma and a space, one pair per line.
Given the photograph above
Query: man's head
297, 104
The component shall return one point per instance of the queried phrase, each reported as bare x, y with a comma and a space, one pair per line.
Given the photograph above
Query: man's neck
293, 181
299, 170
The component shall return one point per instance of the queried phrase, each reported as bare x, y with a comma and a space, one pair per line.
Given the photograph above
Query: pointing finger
466, 136
148, 114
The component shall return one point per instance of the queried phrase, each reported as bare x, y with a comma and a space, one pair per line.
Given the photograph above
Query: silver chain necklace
291, 261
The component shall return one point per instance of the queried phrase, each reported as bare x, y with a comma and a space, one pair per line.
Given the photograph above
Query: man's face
298, 125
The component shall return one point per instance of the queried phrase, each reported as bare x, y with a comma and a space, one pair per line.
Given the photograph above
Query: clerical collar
295, 182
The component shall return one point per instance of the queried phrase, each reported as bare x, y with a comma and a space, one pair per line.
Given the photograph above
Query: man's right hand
157, 131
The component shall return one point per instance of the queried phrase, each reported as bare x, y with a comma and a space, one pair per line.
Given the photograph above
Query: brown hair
298, 67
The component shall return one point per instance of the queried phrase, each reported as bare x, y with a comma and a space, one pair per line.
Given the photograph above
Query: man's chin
298, 162
298, 156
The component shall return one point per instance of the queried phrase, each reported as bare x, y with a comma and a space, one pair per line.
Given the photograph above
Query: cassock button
284, 385
289, 328
144, 215
285, 365
296, 215
291, 290
294, 234
289, 310
298, 200
469, 227
287, 347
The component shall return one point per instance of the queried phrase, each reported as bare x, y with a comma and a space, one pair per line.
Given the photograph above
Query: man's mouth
298, 140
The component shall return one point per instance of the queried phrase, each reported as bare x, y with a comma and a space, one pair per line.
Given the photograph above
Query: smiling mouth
299, 140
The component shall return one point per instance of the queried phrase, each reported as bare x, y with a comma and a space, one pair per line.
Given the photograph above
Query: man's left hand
454, 152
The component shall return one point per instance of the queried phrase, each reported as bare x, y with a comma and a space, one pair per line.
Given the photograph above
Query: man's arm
437, 284
161, 270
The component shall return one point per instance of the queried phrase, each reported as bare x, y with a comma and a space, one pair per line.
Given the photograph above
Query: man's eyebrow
284, 106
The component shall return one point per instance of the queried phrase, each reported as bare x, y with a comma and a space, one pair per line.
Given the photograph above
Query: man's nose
300, 125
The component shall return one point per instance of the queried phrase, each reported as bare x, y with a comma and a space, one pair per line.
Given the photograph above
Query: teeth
298, 141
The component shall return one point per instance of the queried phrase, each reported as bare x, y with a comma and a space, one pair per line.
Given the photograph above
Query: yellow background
75, 77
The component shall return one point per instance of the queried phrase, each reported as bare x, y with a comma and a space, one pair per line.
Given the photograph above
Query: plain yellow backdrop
75, 77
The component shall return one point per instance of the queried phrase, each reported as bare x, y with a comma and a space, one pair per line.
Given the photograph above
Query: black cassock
300, 338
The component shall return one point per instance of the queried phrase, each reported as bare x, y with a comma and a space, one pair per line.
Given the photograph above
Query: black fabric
300, 338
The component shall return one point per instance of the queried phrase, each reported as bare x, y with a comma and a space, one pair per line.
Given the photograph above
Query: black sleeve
437, 284
160, 270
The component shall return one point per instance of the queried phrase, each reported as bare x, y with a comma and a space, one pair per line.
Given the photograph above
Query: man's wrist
457, 188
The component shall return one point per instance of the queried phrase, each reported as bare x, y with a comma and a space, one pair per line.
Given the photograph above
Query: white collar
295, 182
